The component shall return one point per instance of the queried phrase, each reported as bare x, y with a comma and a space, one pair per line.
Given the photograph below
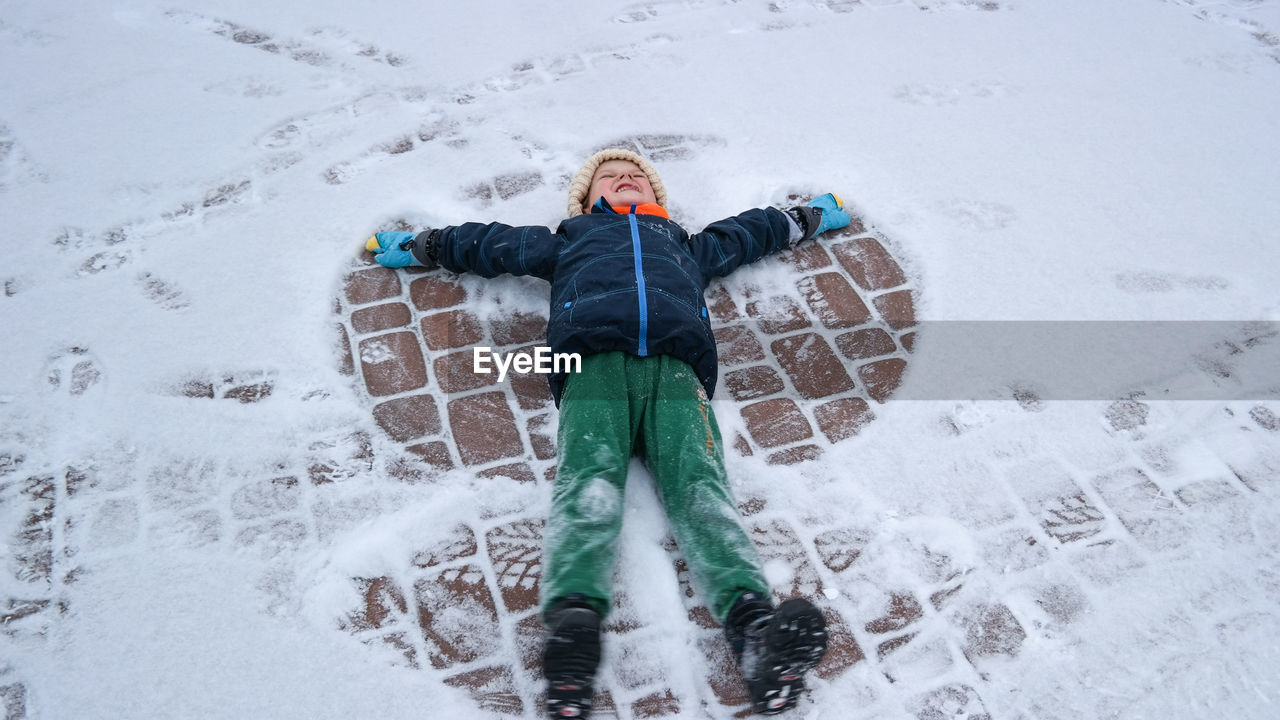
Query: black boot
571, 657
775, 648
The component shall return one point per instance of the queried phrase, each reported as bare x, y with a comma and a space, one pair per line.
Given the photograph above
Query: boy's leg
594, 448
774, 647
684, 452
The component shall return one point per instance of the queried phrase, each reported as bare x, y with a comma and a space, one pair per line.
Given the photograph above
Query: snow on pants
653, 407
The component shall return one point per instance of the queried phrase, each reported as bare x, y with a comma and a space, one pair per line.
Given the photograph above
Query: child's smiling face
620, 182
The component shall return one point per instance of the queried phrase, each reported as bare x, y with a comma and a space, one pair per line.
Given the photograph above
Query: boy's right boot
571, 657
775, 648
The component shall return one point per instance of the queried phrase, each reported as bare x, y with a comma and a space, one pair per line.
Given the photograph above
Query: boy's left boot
775, 648
570, 658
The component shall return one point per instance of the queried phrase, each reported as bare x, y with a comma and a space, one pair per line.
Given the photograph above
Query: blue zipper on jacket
643, 341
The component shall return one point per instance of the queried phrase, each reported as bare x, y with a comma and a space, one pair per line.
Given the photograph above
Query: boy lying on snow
627, 288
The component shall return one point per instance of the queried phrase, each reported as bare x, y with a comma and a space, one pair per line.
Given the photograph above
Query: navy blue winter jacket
631, 281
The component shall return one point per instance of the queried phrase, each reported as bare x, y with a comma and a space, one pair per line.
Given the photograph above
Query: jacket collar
641, 209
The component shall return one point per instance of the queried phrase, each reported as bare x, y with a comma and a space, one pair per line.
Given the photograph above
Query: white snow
169, 217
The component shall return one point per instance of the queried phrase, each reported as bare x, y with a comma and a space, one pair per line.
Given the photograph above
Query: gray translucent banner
1088, 360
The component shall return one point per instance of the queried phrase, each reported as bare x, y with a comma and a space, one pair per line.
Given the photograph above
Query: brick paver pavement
807, 366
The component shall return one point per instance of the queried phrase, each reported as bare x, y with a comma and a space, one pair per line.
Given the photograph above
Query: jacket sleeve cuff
425, 246
804, 222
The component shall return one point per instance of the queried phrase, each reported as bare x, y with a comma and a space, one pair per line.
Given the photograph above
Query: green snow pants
655, 408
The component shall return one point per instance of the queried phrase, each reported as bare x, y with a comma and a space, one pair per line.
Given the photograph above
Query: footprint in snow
439, 128
73, 372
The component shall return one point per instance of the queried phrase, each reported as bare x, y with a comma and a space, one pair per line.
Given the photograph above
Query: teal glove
391, 249
823, 213
834, 216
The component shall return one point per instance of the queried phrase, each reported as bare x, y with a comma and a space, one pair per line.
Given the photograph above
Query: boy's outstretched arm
728, 244
488, 250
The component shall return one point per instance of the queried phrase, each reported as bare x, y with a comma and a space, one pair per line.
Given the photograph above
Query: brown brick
843, 418
532, 391
723, 676
434, 453
863, 344
13, 698
776, 422
888, 647
530, 638
736, 344
380, 317
484, 429
1266, 419
432, 292
392, 364
752, 506
753, 382
1143, 508
992, 630
795, 455
459, 541
196, 388
451, 329
721, 305
542, 436
455, 373
520, 472
902, 610
856, 226
908, 341
778, 542
381, 598
366, 286
834, 301
492, 689
437, 599
952, 700
346, 364
250, 392
408, 418
843, 651
897, 308
869, 264
515, 553
1207, 492
509, 186
840, 548
1063, 602
882, 377
806, 257
1069, 518
777, 315
812, 365
518, 328
658, 704
330, 464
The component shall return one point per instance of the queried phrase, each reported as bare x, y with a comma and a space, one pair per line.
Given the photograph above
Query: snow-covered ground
184, 186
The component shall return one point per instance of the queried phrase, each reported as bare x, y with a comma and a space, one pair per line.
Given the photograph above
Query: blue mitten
823, 213
834, 216
391, 249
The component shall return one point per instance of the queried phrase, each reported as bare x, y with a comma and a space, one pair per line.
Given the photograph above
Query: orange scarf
643, 209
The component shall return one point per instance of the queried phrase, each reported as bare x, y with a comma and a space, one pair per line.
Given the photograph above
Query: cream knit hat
581, 184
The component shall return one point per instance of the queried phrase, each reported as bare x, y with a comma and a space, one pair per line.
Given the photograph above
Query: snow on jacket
625, 279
